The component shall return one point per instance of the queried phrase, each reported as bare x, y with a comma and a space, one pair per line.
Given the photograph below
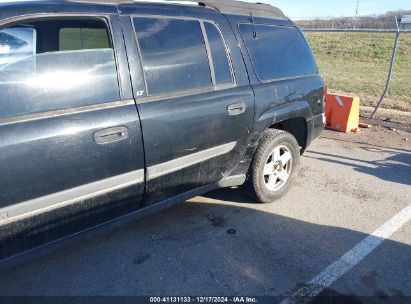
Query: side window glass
174, 55
219, 54
45, 66
83, 39
277, 51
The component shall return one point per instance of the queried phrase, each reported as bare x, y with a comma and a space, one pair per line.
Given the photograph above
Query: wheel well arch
297, 127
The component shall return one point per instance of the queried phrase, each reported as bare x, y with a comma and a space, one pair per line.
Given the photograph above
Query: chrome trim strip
187, 161
71, 196
56, 113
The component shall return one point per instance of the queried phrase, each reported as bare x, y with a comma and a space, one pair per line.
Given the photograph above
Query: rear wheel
274, 166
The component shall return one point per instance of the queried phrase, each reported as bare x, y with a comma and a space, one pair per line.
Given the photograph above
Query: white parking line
326, 278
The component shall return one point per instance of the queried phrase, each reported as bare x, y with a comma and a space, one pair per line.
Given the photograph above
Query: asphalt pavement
225, 244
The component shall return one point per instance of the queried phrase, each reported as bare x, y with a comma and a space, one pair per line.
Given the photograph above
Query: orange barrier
342, 112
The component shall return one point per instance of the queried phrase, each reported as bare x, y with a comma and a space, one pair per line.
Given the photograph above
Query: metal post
394, 53
356, 13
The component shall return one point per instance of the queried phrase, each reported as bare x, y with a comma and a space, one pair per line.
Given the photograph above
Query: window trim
279, 78
209, 54
214, 87
15, 20
44, 17
227, 51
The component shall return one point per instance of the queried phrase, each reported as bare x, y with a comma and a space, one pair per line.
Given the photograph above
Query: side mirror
16, 44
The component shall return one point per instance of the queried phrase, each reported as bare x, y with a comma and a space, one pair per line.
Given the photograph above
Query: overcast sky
302, 9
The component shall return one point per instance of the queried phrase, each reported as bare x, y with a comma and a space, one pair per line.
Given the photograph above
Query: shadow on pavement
209, 248
395, 167
356, 141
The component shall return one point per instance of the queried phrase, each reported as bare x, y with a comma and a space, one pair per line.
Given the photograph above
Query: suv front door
71, 153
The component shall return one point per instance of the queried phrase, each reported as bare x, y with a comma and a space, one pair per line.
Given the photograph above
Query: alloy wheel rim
277, 168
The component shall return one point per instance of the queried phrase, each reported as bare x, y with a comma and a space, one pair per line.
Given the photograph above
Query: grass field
357, 63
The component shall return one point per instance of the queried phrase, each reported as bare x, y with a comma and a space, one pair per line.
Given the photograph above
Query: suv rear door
70, 138
193, 96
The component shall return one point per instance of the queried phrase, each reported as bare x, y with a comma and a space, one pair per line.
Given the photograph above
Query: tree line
384, 21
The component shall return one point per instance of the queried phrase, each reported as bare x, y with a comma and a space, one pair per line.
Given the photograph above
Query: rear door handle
110, 135
236, 108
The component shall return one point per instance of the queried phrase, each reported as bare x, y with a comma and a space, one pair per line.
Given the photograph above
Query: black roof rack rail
231, 7
242, 8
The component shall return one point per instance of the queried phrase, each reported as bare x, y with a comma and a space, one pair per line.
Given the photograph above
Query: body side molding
70, 196
187, 161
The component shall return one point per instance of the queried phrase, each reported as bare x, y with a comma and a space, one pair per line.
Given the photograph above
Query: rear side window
50, 65
219, 54
174, 55
277, 51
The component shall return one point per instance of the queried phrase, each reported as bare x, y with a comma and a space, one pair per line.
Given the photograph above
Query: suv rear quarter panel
282, 99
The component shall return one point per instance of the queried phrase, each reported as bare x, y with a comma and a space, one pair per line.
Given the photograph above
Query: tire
269, 178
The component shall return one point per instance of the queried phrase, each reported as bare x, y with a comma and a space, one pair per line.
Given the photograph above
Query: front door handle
110, 135
236, 108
